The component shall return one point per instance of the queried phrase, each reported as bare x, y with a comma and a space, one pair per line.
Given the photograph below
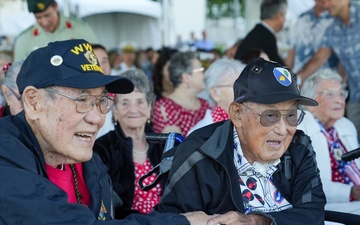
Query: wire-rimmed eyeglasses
201, 69
270, 117
17, 95
330, 94
85, 103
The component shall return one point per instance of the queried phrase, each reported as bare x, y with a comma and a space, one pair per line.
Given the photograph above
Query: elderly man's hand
236, 218
198, 218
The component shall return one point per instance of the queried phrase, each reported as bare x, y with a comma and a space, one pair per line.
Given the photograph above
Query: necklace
143, 152
77, 192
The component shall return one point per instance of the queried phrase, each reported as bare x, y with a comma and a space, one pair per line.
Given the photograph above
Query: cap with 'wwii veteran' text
70, 63
268, 82
36, 6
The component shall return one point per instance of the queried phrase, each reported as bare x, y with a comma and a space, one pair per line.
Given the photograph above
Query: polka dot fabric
144, 201
218, 114
169, 113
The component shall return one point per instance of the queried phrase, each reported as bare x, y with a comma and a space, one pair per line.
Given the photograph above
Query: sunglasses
270, 117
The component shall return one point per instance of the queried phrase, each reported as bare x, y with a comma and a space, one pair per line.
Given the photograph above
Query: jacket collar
216, 144
28, 138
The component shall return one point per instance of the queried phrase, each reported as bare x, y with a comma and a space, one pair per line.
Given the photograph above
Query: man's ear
31, 98
235, 111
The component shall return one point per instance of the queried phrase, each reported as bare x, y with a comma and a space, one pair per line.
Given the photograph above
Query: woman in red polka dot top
182, 109
127, 153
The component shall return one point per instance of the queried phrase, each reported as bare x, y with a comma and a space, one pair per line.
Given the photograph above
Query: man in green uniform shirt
50, 26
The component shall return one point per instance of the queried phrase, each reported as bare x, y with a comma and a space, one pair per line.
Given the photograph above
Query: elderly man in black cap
255, 168
49, 173
50, 26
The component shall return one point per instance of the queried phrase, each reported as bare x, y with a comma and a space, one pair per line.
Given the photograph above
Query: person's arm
342, 72
289, 61
314, 63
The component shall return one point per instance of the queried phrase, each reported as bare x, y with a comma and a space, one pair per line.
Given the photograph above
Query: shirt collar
267, 27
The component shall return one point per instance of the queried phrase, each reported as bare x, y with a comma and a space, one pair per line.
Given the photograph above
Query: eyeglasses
85, 103
201, 69
329, 94
270, 117
225, 85
17, 96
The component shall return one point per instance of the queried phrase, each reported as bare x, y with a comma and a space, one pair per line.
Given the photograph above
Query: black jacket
260, 38
115, 150
28, 197
203, 177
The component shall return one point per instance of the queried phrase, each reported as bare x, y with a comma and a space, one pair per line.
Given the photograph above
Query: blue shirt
206, 45
344, 40
305, 38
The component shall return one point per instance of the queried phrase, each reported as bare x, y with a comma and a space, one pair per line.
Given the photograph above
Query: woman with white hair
219, 81
332, 135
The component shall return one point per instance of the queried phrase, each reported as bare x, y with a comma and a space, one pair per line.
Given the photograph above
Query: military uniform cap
36, 6
128, 47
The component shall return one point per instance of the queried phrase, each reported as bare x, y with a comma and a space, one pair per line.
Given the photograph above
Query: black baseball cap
37, 6
268, 82
70, 63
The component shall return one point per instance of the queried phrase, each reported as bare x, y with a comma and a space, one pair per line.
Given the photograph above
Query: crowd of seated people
178, 91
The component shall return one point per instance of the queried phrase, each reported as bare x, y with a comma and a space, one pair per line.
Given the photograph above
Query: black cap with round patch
268, 82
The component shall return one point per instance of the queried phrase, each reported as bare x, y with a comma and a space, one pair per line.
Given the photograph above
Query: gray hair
311, 84
141, 83
269, 8
180, 62
220, 69
11, 75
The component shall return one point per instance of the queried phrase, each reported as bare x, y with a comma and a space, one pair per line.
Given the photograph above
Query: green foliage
224, 8
221, 8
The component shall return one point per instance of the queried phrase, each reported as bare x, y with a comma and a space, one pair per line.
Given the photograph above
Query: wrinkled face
223, 92
132, 110
259, 143
331, 102
103, 58
336, 7
64, 135
48, 19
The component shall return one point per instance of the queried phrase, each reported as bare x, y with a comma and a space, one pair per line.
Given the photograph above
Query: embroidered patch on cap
85, 50
40, 6
56, 60
283, 76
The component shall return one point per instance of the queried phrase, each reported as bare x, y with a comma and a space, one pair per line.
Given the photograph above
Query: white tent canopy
86, 8
121, 20
14, 23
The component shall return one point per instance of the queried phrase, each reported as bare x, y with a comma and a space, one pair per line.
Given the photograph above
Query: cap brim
277, 98
113, 84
